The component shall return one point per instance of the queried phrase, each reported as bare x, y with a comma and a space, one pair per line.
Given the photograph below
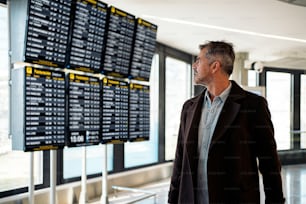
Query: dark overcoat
242, 143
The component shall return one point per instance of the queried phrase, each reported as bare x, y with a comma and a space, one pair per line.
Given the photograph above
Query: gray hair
222, 51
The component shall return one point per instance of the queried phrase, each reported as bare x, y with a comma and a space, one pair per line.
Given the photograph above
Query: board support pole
83, 195
31, 183
53, 158
104, 196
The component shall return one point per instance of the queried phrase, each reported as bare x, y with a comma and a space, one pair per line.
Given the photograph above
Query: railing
147, 194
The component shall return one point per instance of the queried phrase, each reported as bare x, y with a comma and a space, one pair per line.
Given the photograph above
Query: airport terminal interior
91, 92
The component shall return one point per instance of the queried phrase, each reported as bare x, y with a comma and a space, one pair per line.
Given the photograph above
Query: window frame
295, 98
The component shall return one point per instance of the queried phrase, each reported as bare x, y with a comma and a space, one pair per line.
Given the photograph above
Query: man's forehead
202, 52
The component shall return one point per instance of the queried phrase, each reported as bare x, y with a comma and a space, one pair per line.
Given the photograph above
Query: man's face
202, 69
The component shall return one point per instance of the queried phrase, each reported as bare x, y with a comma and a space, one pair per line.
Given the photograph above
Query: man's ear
216, 65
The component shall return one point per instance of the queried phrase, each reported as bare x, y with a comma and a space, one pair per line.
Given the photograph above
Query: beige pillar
240, 74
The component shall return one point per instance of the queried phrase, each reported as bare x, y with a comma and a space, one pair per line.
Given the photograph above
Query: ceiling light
171, 20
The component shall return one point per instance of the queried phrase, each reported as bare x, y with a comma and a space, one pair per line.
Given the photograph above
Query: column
240, 73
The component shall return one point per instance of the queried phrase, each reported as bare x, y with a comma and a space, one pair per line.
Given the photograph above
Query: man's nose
194, 65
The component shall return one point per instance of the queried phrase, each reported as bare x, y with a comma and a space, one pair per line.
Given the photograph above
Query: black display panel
143, 50
115, 105
84, 94
44, 109
47, 32
139, 112
119, 42
87, 38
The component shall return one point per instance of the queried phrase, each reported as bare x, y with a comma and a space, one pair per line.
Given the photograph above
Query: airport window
252, 78
94, 163
11, 175
278, 91
303, 111
288, 116
178, 89
142, 153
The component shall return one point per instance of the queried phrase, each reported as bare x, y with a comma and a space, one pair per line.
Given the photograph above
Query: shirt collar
223, 96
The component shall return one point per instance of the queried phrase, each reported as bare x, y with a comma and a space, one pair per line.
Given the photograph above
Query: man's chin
198, 82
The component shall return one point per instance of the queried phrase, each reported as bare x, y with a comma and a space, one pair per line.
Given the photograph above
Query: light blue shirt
209, 118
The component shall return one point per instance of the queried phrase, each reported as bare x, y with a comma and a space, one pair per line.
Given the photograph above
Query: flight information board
44, 109
115, 105
139, 112
83, 110
119, 42
87, 39
143, 50
48, 32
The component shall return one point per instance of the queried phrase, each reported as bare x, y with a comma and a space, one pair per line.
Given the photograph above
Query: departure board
119, 42
88, 33
143, 50
139, 112
83, 110
115, 105
48, 32
44, 109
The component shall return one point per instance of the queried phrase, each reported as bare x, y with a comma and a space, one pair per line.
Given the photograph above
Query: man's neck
217, 88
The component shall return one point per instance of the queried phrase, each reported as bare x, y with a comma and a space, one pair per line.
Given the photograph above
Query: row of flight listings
84, 35
52, 109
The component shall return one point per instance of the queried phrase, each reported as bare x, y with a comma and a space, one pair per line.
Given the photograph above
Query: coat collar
227, 116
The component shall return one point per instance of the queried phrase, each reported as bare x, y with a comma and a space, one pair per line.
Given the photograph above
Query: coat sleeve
177, 164
269, 164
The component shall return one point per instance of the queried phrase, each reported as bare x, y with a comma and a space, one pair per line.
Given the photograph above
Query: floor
294, 185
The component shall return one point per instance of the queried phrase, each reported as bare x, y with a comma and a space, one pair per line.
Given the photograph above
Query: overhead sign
88, 35
119, 43
143, 50
47, 32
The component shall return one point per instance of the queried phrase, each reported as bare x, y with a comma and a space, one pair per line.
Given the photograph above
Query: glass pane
252, 78
12, 176
278, 96
303, 111
141, 153
94, 163
4, 77
15, 165
178, 90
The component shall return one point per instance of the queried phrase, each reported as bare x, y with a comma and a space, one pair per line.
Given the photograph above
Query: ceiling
271, 31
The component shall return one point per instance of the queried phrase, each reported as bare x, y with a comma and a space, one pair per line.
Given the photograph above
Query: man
225, 137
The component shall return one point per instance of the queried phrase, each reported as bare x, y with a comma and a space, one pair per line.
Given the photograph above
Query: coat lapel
192, 124
228, 113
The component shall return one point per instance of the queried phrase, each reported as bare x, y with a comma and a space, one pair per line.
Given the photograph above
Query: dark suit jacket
243, 135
